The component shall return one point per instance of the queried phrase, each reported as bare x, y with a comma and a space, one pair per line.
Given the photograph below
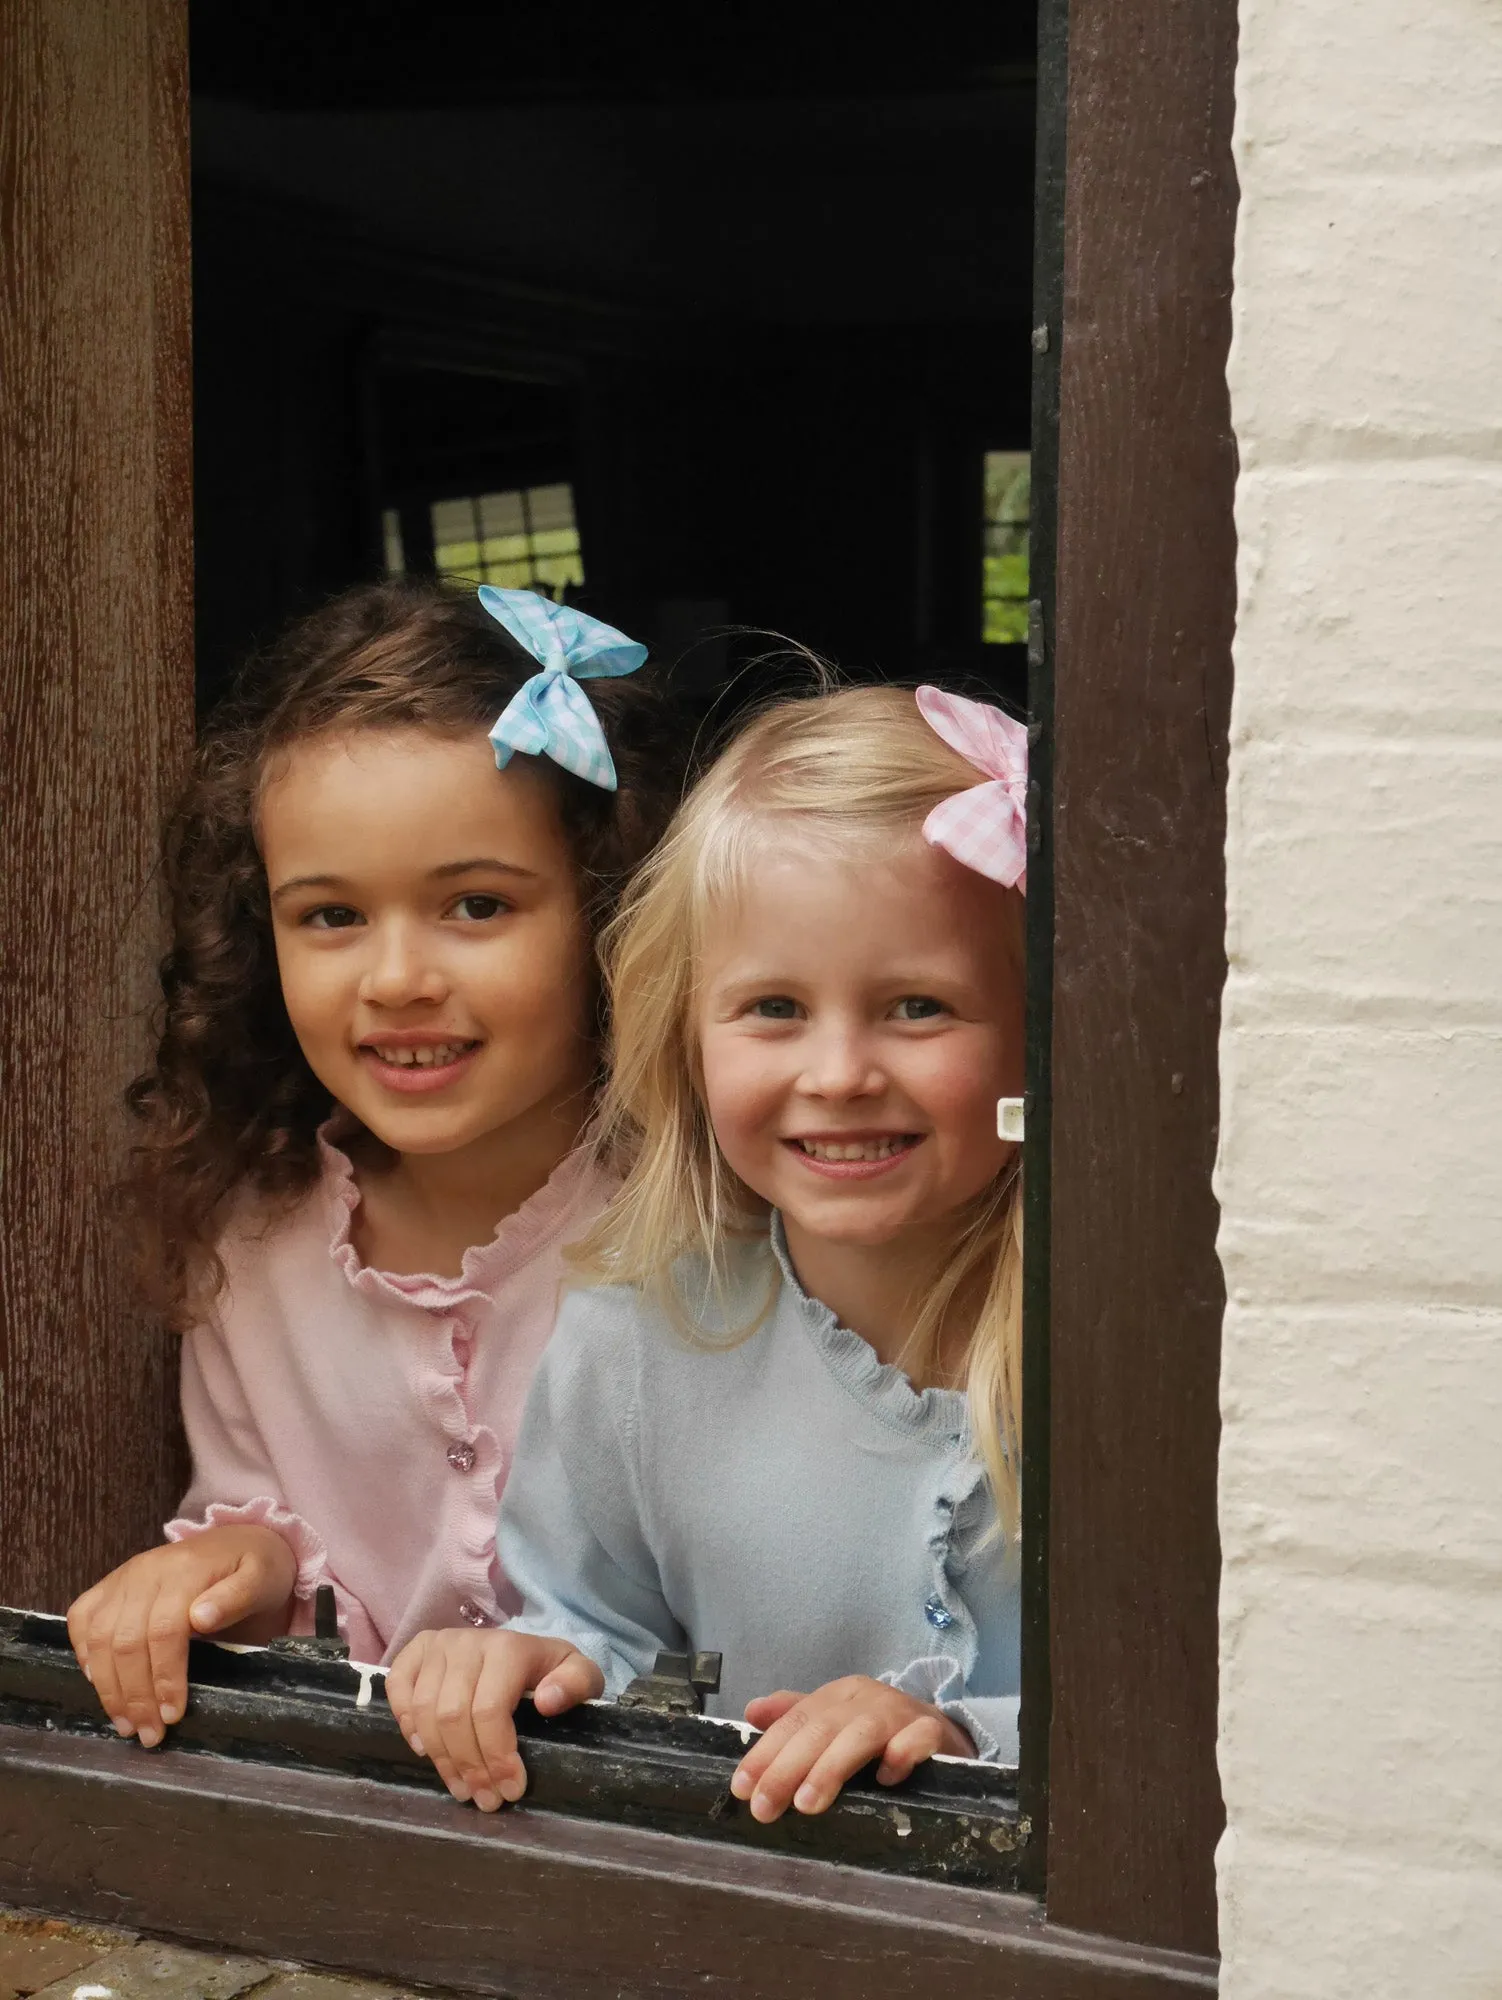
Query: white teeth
853, 1149
429, 1058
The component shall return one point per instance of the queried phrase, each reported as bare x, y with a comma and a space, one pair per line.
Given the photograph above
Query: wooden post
96, 687
1145, 606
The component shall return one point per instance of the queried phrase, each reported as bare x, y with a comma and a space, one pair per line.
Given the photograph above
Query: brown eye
332, 917
479, 909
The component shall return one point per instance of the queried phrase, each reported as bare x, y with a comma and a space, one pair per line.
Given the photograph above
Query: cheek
741, 1093
958, 1085
313, 991
534, 985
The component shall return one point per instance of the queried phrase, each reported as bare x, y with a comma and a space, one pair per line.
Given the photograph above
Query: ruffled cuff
989, 1721
308, 1547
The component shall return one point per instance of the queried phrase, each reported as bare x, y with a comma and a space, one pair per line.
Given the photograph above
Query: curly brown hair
230, 1102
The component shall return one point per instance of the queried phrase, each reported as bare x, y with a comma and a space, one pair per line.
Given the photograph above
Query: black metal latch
676, 1685
324, 1642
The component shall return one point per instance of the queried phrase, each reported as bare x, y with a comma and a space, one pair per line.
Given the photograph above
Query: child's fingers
573, 1680
910, 1747
230, 1599
401, 1681
502, 1683
863, 1737
796, 1750
82, 1613
140, 1626
167, 1633
90, 1624
775, 1734
429, 1723
769, 1708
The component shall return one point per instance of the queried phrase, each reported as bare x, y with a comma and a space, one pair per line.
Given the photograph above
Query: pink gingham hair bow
985, 827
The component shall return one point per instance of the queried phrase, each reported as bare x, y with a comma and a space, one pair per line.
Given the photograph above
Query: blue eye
332, 917
918, 1007
775, 1007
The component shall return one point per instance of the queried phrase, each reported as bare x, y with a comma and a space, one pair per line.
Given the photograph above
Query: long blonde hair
859, 764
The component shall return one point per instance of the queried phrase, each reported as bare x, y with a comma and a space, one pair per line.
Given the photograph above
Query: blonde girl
785, 1425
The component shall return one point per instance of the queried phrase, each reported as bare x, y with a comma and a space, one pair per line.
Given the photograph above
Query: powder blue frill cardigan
788, 1501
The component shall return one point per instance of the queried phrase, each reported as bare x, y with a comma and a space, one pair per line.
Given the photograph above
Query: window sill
376, 1877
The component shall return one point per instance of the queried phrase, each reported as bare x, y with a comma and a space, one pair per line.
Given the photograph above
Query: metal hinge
676, 1685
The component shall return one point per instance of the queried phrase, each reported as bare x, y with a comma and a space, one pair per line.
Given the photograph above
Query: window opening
391, 538
1004, 564
524, 540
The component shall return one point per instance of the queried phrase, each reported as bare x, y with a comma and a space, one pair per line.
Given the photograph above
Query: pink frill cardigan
371, 1418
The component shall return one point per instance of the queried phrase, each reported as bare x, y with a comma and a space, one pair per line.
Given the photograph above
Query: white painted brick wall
1361, 1155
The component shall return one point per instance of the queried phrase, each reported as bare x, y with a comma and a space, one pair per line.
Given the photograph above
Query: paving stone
35, 1951
161, 1972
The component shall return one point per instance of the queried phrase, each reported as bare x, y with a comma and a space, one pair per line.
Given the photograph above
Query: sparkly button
461, 1456
471, 1613
937, 1616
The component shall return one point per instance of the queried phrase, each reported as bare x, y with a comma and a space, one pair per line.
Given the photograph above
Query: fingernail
205, 1617
806, 1799
123, 1725
150, 1737
88, 1673
414, 1742
512, 1788
488, 1801
459, 1790
741, 1785
171, 1712
762, 1808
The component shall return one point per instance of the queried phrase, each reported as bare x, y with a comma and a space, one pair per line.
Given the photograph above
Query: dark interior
757, 297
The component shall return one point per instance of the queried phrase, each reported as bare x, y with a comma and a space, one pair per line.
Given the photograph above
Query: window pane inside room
523, 540
1004, 583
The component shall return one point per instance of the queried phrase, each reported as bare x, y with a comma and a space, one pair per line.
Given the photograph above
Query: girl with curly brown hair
361, 1146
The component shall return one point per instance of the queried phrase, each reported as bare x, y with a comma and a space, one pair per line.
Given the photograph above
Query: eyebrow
474, 865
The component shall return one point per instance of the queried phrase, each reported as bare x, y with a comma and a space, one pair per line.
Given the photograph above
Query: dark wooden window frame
1130, 670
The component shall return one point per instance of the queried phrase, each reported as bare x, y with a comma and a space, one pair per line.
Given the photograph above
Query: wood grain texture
95, 706
344, 1872
1142, 676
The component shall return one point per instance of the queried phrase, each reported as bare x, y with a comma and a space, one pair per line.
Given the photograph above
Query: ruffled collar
881, 1387
542, 1218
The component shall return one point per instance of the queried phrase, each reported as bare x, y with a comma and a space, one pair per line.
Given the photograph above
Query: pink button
471, 1613
461, 1456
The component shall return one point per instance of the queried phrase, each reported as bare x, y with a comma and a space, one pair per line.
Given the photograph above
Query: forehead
811, 911
375, 799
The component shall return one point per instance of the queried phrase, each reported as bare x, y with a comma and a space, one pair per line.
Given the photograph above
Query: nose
401, 970
840, 1062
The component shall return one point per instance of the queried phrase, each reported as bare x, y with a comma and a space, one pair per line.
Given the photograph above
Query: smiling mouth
435, 1055
835, 1152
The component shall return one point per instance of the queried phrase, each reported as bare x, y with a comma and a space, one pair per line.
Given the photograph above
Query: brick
162, 1972
1367, 599
31, 1961
1402, 358
1361, 1165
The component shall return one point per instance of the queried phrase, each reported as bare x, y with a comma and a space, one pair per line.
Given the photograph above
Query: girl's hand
815, 1742
131, 1631
455, 1694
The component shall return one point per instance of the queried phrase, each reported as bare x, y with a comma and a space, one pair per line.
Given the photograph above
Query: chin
861, 1232
417, 1135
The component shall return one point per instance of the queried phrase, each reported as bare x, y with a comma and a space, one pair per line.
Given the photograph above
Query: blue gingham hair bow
551, 715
